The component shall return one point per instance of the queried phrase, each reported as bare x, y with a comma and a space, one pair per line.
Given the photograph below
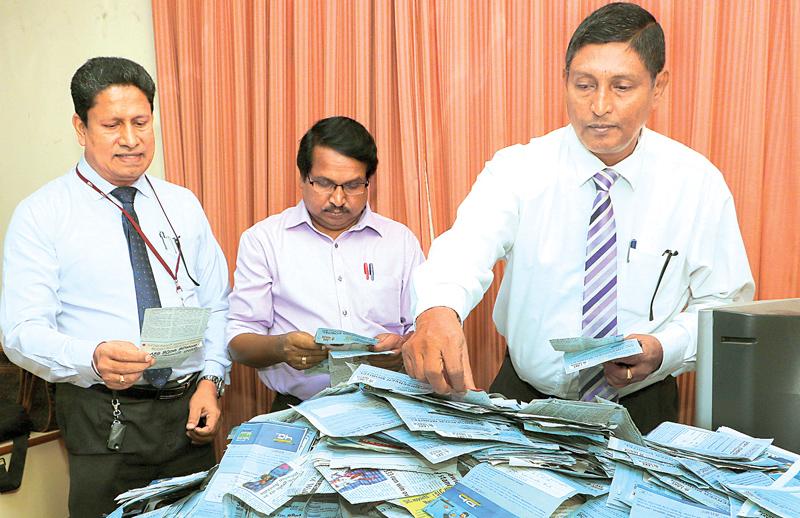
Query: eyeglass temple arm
669, 254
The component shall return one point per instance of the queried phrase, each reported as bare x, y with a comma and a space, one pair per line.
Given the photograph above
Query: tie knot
605, 179
125, 195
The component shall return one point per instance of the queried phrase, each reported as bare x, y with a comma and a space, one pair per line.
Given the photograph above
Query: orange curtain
444, 84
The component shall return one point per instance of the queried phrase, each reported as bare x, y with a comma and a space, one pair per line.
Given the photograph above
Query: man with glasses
327, 262
81, 265
607, 227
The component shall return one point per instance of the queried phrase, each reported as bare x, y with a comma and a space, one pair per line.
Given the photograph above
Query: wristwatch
216, 380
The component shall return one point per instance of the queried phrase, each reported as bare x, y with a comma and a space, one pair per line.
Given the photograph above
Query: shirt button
340, 278
344, 312
336, 245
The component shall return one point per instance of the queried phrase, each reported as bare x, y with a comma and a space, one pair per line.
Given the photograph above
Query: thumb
194, 416
469, 381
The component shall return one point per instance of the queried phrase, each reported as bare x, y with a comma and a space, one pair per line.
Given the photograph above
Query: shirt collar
299, 214
586, 164
104, 185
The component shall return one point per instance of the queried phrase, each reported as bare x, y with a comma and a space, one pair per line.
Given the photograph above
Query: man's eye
324, 183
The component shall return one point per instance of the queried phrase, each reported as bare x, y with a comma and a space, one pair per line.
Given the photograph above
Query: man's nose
601, 102
127, 135
338, 197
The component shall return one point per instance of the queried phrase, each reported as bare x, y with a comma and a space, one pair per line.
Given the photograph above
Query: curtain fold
444, 84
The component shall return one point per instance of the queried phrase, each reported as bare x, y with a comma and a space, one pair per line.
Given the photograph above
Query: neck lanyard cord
137, 228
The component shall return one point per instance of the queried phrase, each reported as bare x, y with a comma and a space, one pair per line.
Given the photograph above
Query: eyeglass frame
315, 184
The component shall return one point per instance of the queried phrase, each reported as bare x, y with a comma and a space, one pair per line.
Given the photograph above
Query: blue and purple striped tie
600, 283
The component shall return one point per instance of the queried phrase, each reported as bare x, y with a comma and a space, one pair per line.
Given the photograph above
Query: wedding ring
303, 360
629, 375
121, 379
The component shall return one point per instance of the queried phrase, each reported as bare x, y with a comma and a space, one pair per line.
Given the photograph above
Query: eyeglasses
327, 187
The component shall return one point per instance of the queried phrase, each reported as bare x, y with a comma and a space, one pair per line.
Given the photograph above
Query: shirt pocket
381, 303
642, 281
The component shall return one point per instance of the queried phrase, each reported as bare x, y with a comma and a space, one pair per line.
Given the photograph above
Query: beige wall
44, 491
42, 43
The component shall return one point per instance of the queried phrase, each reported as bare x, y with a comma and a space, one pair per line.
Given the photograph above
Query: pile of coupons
343, 348
384, 445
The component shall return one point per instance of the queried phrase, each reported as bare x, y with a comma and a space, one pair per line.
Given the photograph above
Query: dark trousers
155, 446
648, 407
282, 402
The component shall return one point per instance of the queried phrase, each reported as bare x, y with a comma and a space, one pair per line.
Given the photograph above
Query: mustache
336, 210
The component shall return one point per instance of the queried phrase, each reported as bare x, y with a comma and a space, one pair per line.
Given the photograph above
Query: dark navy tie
143, 280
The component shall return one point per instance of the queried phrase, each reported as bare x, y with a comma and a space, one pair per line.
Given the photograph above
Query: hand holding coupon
584, 352
171, 335
345, 347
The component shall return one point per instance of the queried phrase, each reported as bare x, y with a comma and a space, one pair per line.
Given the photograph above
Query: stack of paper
385, 445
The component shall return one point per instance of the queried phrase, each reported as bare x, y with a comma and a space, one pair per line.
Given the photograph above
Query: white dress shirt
530, 206
68, 281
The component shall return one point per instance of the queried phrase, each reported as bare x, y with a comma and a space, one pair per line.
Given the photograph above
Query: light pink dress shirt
291, 277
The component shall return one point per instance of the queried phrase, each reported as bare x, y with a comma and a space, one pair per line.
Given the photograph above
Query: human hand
300, 350
204, 404
387, 342
631, 369
120, 363
437, 352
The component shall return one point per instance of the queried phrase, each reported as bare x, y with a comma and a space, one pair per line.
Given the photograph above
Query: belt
173, 389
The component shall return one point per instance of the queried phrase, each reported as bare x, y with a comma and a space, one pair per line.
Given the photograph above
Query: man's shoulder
676, 164
537, 148
53, 194
166, 188
388, 226
272, 225
677, 155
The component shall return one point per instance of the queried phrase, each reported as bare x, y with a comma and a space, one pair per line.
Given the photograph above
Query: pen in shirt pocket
631, 245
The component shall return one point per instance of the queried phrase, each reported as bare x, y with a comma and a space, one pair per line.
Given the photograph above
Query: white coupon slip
171, 335
575, 361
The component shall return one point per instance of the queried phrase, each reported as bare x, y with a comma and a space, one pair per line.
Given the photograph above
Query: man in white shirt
77, 277
606, 227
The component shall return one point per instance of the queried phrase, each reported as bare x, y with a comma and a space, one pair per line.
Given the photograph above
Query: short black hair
343, 135
97, 74
622, 22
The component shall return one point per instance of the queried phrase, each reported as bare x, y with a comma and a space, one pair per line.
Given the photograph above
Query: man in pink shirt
328, 262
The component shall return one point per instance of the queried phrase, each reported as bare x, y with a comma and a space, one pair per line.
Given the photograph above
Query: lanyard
137, 228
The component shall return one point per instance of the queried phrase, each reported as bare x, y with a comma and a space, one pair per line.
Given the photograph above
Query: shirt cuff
674, 340
449, 297
213, 368
83, 352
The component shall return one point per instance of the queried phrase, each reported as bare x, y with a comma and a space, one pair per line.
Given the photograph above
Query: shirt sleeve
30, 303
251, 308
459, 267
213, 294
720, 274
414, 258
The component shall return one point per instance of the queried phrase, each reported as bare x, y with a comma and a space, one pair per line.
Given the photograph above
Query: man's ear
662, 80
80, 129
